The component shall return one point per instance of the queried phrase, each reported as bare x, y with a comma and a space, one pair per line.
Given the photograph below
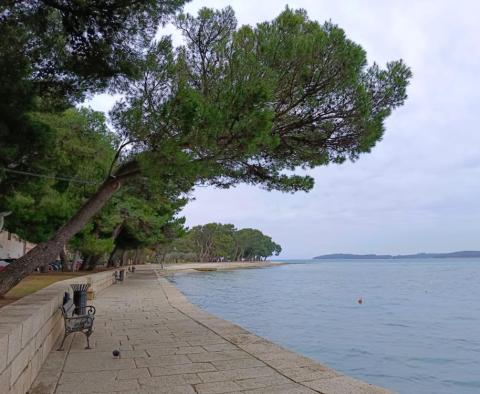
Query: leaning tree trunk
48, 251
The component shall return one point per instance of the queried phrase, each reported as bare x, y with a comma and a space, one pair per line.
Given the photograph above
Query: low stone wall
30, 327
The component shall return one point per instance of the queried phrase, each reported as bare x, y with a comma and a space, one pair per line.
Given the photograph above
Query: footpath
167, 345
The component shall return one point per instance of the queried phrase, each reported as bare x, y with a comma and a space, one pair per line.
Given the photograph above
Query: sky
419, 188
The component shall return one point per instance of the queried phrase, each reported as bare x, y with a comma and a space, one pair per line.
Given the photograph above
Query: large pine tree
241, 105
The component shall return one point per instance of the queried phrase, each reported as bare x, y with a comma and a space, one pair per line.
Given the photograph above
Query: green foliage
81, 147
89, 243
249, 104
256, 103
73, 46
251, 244
54, 52
222, 242
136, 218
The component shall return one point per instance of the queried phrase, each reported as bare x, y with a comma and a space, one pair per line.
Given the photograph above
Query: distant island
346, 256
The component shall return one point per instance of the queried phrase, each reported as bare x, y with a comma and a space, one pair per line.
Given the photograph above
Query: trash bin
80, 297
122, 275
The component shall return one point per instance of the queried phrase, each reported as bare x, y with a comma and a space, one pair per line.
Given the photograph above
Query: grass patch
38, 281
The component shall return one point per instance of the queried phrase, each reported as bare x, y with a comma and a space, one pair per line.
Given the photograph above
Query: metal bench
74, 323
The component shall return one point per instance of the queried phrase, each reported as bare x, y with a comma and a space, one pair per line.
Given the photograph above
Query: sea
416, 330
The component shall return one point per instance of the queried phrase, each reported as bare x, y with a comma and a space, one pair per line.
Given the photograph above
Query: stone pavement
169, 346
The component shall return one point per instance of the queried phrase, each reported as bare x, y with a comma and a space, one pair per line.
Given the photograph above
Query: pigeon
116, 353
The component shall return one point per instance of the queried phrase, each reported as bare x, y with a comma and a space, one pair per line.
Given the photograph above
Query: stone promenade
169, 346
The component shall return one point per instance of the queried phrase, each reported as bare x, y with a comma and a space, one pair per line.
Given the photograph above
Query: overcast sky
419, 189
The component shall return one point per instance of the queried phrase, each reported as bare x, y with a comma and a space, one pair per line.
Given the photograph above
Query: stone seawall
30, 327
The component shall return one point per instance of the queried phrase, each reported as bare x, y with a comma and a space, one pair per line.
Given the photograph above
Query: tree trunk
111, 259
115, 234
76, 258
66, 265
92, 264
124, 258
48, 251
85, 262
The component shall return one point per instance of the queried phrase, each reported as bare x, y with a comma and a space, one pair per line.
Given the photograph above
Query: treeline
220, 242
229, 105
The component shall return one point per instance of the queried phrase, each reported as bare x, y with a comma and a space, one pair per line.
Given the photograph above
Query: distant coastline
347, 256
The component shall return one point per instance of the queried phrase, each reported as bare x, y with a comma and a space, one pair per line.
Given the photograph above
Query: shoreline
191, 267
299, 369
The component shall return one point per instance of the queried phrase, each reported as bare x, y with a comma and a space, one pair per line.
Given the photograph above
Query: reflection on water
417, 330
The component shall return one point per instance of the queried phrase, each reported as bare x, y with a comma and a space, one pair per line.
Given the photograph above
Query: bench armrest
91, 310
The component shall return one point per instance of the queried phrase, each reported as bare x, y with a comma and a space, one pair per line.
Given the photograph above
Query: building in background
12, 246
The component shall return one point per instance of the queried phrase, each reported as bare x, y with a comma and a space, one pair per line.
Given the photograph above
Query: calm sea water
417, 331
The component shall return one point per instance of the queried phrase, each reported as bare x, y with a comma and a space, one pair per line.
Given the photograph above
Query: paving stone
236, 374
3, 350
87, 362
92, 386
171, 380
264, 381
209, 341
45, 383
217, 387
217, 356
153, 351
101, 377
133, 374
219, 347
290, 388
162, 360
190, 350
181, 369
5, 377
184, 389
237, 364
